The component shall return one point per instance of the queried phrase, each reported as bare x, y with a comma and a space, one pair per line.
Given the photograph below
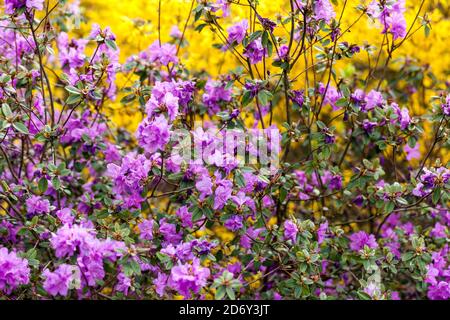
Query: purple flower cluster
431, 179
438, 275
70, 240
237, 32
12, 5
323, 10
162, 54
216, 94
360, 239
391, 16
130, 177
37, 205
14, 271
255, 51
188, 278
60, 281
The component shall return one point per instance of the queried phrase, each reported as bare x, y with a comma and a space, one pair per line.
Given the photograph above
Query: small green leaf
43, 185
220, 293
436, 195
19, 126
230, 293
73, 90
73, 98
6, 110
111, 44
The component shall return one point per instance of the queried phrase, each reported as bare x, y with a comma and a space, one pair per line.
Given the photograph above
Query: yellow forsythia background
135, 23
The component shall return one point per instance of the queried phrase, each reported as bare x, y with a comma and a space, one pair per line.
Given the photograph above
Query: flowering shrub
277, 179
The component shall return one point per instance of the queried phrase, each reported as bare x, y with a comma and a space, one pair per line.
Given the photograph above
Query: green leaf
220, 293
320, 124
73, 98
230, 293
342, 102
264, 97
19, 126
265, 39
363, 296
246, 98
6, 110
389, 207
56, 183
111, 44
73, 90
43, 185
436, 195
407, 256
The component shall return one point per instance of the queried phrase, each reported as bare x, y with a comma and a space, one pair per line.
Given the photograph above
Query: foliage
354, 209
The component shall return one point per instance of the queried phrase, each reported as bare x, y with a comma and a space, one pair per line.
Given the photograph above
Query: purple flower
322, 231
446, 106
332, 95
298, 96
204, 186
100, 35
391, 16
438, 276
163, 54
37, 205
402, 116
71, 53
290, 231
429, 179
395, 23
373, 99
266, 23
255, 51
168, 103
412, 153
440, 291
222, 194
70, 238
129, 178
175, 32
439, 231
153, 135
185, 217
369, 125
60, 281
323, 10
123, 283
335, 182
91, 267
372, 289
169, 232
188, 278
237, 32
360, 239
234, 223
283, 52
65, 216
160, 283
14, 271
216, 94
12, 5
224, 5
146, 229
